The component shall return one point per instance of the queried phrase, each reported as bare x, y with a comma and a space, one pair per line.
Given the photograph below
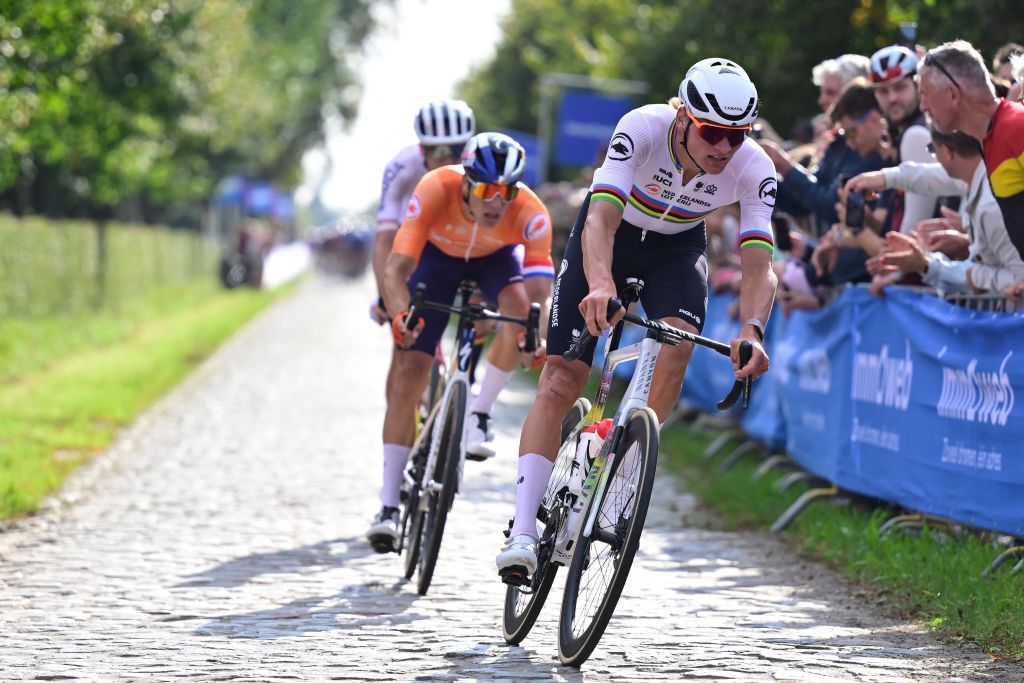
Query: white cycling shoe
480, 441
517, 560
383, 531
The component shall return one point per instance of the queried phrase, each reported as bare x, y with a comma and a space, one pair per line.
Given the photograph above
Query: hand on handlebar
377, 312
758, 364
405, 338
594, 309
535, 359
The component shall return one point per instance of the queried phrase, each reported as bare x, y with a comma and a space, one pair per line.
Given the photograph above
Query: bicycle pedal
514, 576
383, 547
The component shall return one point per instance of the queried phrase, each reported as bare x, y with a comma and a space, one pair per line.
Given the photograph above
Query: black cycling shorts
674, 269
443, 273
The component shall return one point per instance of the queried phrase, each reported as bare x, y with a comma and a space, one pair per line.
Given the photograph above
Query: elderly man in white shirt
992, 262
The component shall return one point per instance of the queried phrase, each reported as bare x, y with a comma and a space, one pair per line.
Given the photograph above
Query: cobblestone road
220, 539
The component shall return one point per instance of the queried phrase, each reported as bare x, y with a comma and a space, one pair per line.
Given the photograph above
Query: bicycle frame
645, 352
458, 373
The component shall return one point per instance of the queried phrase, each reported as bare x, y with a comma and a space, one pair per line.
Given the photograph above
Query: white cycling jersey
642, 176
400, 178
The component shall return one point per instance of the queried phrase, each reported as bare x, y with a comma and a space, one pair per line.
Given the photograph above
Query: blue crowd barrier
904, 398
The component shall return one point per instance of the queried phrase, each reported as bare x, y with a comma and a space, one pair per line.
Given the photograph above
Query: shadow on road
352, 608
241, 570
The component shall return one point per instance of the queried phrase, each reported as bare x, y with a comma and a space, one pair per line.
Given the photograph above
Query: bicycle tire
447, 464
623, 509
521, 608
412, 518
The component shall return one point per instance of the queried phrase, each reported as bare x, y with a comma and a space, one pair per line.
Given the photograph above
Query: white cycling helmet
719, 91
892, 63
446, 122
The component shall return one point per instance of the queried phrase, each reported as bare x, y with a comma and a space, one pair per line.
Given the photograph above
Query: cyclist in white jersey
667, 167
443, 129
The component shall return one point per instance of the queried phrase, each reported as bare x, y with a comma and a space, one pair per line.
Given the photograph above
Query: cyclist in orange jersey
462, 222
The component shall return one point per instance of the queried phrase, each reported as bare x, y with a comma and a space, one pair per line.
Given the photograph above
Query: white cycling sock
395, 457
534, 472
493, 382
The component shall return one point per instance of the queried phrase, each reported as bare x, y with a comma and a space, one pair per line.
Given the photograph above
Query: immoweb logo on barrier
974, 396
815, 371
883, 379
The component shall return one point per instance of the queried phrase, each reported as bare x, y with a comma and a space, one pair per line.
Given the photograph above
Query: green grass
70, 384
929, 577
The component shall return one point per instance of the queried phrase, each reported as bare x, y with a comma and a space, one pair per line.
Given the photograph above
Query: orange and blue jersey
436, 214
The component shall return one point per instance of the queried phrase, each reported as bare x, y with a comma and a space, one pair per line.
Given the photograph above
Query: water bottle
591, 441
582, 461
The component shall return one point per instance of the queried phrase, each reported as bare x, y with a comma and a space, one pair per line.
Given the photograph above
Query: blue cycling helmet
494, 158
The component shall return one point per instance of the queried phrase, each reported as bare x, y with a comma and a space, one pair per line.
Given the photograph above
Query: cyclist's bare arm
603, 219
382, 242
397, 272
757, 293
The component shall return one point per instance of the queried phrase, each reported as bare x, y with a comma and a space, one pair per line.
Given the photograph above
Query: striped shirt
642, 176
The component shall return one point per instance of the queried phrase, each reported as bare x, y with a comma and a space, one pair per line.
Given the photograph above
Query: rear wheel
524, 603
446, 473
601, 562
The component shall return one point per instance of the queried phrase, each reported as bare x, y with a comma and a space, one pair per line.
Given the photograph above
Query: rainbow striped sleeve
609, 193
757, 239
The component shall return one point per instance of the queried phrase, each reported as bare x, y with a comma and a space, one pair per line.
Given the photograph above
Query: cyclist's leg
675, 292
499, 278
408, 377
560, 385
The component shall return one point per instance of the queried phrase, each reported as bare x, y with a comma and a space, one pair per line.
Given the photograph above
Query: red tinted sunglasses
488, 191
713, 133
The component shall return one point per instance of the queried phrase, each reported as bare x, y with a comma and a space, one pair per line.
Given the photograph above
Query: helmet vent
693, 98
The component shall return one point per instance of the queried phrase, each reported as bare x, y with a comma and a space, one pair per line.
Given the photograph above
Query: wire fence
71, 267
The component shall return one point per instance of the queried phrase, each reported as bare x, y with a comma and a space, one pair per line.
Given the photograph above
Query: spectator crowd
911, 174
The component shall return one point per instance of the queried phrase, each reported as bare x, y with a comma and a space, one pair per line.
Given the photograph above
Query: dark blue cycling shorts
674, 269
443, 273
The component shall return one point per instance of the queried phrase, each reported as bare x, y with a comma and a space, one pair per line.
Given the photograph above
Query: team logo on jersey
699, 184
652, 188
620, 148
414, 208
561, 270
537, 226
711, 189
767, 191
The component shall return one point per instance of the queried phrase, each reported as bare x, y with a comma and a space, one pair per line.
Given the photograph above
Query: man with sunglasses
462, 221
957, 94
443, 128
667, 167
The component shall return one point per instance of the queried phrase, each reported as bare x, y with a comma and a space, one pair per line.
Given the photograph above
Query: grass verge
930, 576
97, 378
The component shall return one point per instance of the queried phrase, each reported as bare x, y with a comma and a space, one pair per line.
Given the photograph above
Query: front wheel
524, 603
446, 473
601, 562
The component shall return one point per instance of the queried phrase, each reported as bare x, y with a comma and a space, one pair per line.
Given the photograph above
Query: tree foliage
105, 102
655, 41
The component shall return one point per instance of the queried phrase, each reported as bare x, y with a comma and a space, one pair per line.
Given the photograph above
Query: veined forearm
757, 295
